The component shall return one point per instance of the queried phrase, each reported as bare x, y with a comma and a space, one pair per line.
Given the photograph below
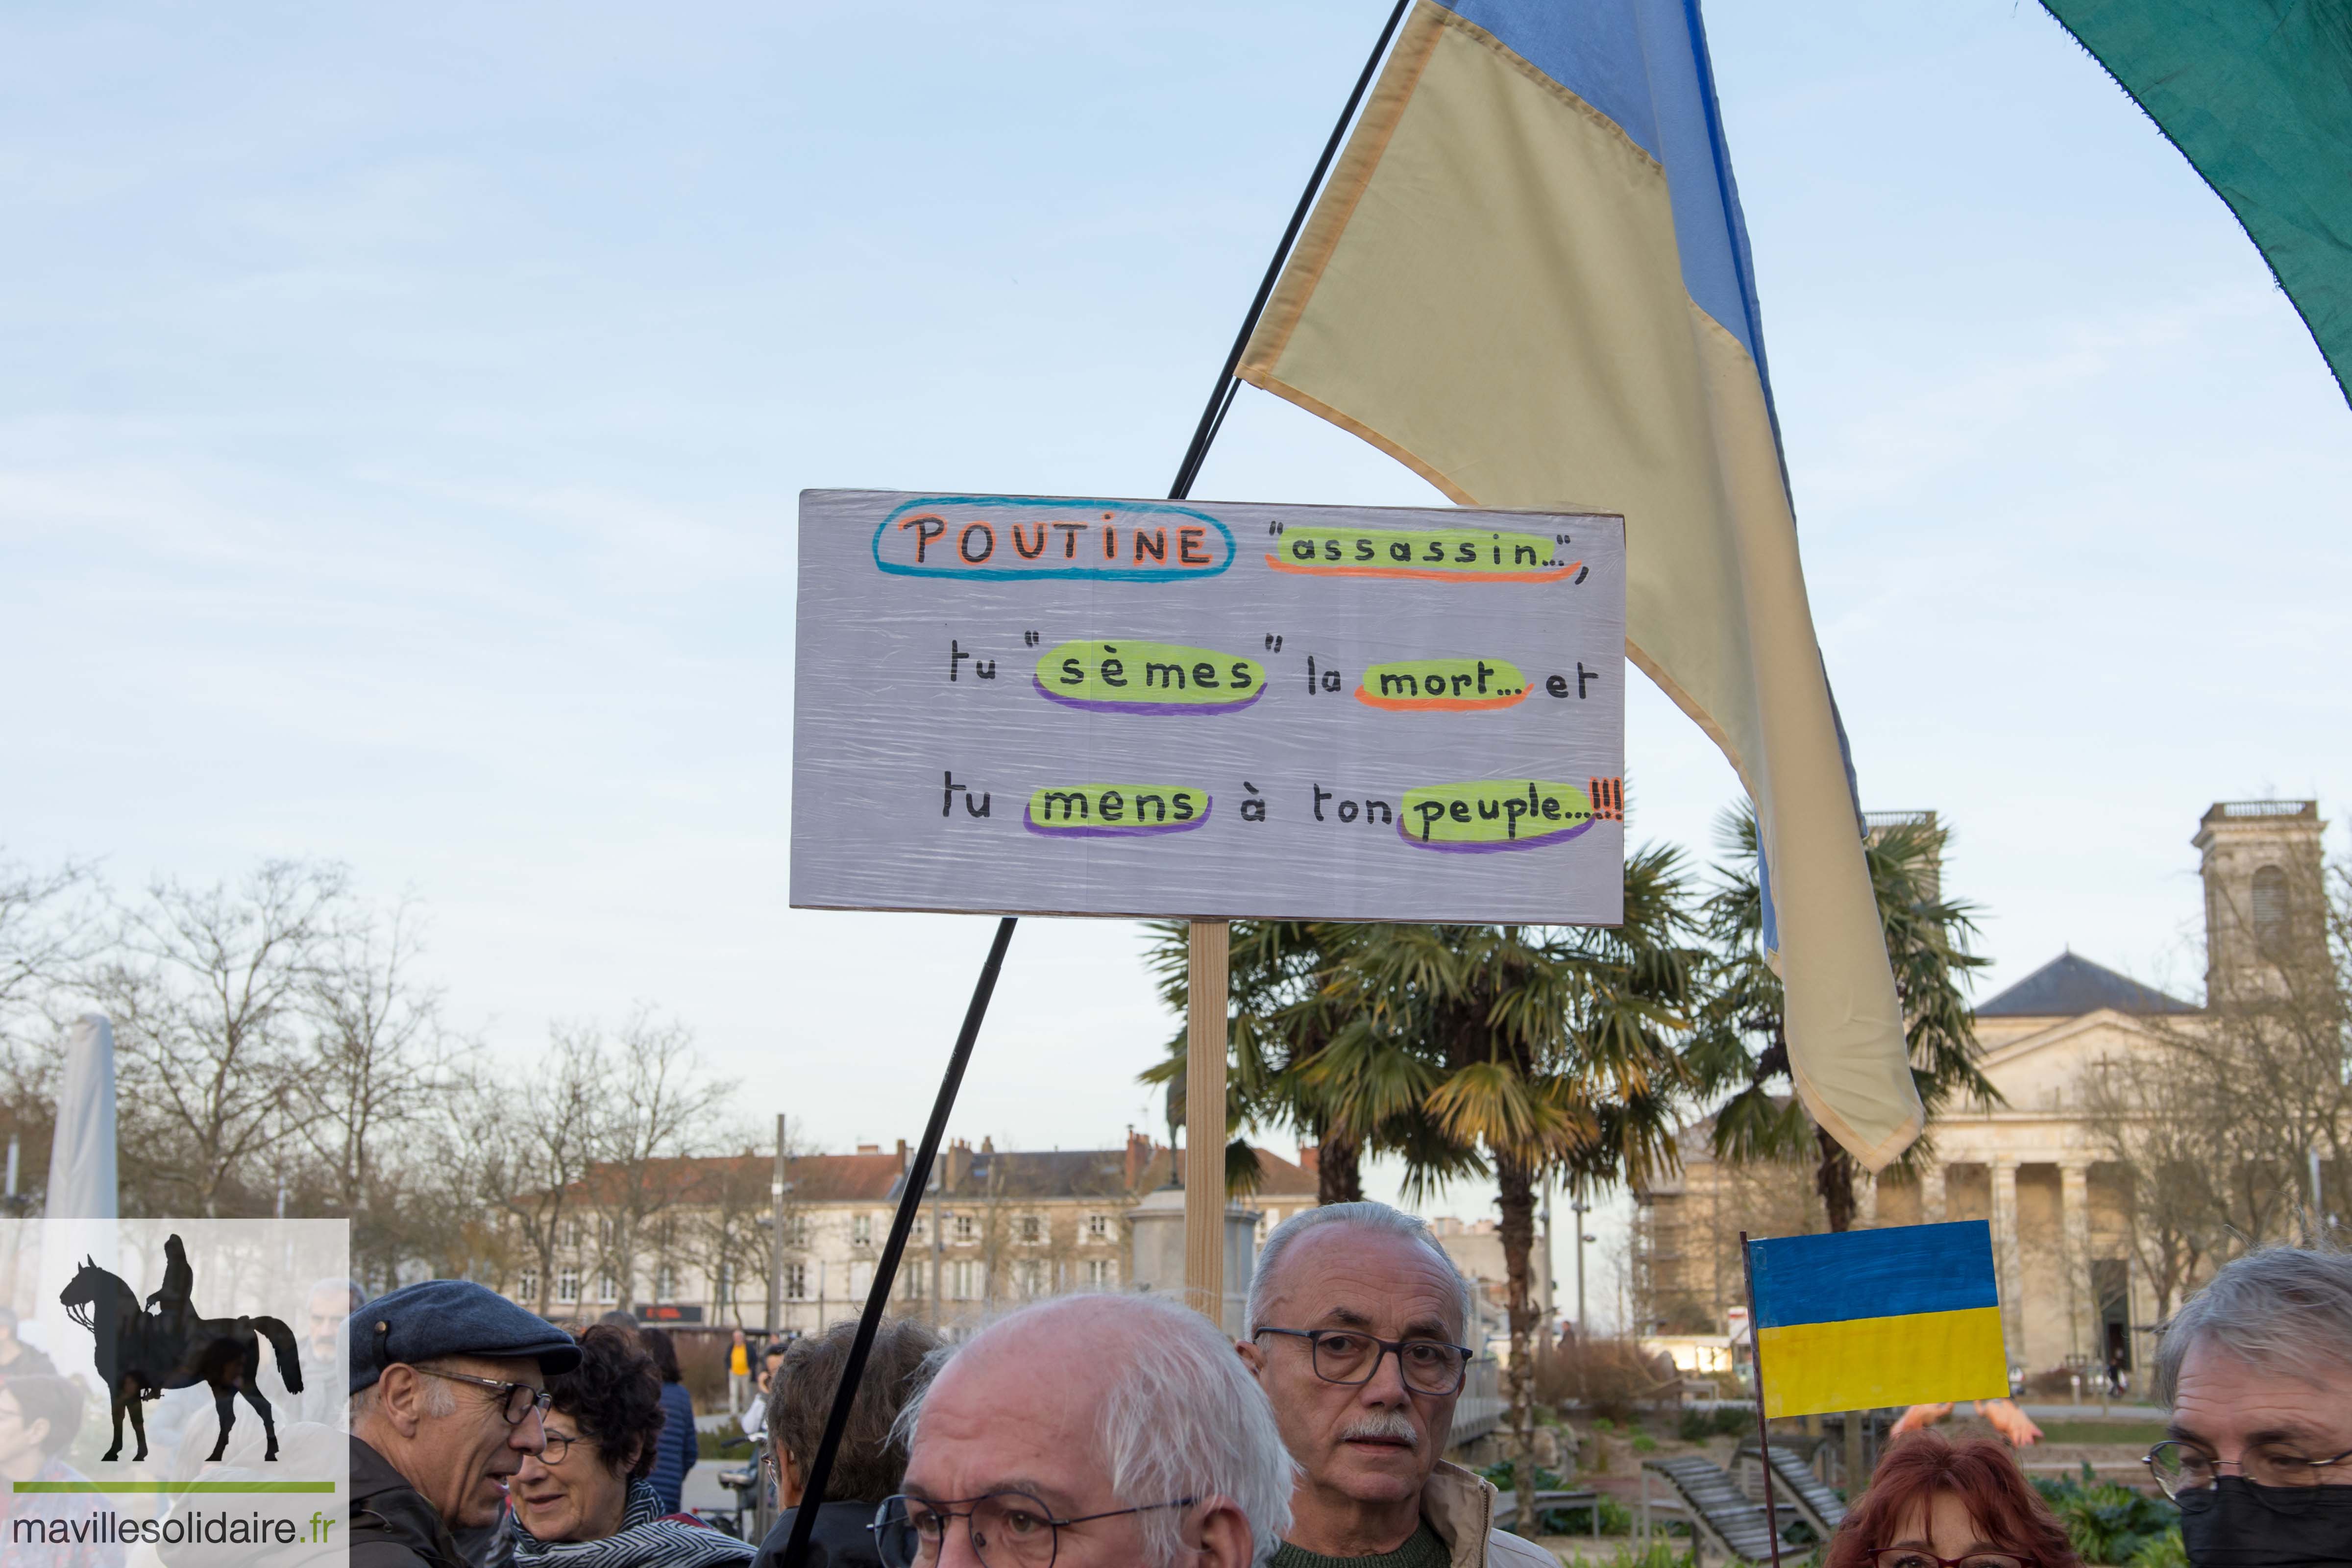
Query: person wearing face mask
2257, 1369
447, 1388
583, 1501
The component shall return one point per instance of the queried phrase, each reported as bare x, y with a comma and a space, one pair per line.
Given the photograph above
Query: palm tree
1528, 1052
1521, 1052
1927, 942
1278, 1016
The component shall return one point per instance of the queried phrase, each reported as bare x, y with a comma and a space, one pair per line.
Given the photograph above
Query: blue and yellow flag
1861, 1319
1529, 280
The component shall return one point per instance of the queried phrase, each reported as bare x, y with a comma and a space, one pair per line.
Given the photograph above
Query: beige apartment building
2033, 1167
997, 1227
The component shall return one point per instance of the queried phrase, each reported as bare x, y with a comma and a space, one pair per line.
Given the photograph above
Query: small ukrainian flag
1909, 1315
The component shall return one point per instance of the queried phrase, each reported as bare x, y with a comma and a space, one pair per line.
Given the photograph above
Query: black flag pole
885, 1270
1763, 1429
1221, 396
918, 1173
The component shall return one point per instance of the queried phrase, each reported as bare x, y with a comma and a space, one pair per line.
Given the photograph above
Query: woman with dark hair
1935, 1504
676, 1449
583, 1501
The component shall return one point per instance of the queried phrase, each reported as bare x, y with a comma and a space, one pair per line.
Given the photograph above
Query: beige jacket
1460, 1506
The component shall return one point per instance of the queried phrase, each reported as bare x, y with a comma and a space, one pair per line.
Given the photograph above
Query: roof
1096, 1173
2070, 985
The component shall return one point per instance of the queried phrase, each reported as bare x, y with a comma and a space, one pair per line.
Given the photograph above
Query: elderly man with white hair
1088, 1432
1356, 1324
2258, 1370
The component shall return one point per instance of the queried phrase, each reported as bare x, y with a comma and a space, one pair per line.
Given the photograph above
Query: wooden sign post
1204, 1118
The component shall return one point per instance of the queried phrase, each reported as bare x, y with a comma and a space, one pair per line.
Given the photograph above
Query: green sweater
1421, 1549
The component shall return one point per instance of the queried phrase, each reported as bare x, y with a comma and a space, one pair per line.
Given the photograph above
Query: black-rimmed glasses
1346, 1355
2183, 1467
1919, 1557
560, 1444
516, 1400
1008, 1530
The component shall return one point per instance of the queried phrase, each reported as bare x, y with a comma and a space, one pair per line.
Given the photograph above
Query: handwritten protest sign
1085, 705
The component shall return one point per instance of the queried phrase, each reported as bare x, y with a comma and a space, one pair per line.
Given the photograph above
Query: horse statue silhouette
142, 1353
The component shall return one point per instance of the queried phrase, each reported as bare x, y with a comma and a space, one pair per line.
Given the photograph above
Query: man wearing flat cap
449, 1384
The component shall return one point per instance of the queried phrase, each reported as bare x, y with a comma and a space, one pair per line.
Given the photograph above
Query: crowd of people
1096, 1431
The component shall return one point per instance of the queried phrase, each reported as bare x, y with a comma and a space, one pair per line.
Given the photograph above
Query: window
796, 1281
527, 1288
2270, 908
963, 1231
861, 1230
796, 1231
1097, 1227
1029, 1278
964, 1278
666, 1283
1102, 1274
607, 1288
1031, 1229
911, 1280
567, 1285
574, 1232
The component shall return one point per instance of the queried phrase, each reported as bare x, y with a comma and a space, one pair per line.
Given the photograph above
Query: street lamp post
1580, 1208
776, 1187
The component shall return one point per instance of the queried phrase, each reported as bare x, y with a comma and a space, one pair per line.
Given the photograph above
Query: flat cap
438, 1318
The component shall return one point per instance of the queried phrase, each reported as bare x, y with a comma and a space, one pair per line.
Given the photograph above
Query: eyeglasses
518, 1400
2182, 1468
560, 1444
1344, 1355
1008, 1530
1914, 1557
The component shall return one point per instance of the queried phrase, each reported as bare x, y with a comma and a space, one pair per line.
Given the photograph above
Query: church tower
2264, 897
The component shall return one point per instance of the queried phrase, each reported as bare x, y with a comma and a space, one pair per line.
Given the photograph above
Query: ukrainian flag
1861, 1319
1529, 280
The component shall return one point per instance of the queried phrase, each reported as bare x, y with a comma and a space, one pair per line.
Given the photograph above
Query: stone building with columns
2033, 1165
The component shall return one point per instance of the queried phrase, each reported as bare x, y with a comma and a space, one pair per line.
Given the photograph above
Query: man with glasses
449, 1385
1357, 1320
1090, 1432
2258, 1370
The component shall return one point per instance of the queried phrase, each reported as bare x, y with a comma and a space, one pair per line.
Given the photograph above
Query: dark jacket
391, 1525
676, 1450
840, 1540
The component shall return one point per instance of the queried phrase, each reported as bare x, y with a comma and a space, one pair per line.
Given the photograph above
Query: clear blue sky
401, 413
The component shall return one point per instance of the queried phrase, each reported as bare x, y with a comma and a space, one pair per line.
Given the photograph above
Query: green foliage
1602, 1424
1645, 1444
1659, 1554
1725, 1421
2108, 1522
1615, 1518
1928, 944
2139, 1433
2165, 1552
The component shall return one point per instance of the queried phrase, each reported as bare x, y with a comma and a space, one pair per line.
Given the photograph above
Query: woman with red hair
1935, 1504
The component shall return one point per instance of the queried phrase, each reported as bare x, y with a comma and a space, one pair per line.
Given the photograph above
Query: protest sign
1087, 705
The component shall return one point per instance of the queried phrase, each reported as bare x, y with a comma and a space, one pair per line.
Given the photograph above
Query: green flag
2257, 94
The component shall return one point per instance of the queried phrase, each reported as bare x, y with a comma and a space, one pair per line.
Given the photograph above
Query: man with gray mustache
1357, 1320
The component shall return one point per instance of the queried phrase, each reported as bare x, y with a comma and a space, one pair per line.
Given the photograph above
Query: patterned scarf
646, 1540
